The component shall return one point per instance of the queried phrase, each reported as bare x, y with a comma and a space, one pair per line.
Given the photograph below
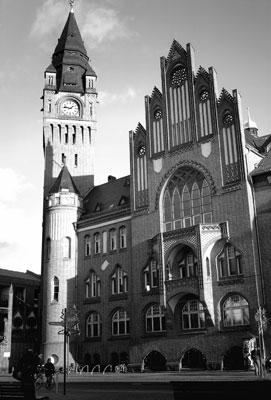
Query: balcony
188, 283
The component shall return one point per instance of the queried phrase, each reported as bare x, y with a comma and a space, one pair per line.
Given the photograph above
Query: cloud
13, 184
106, 98
98, 22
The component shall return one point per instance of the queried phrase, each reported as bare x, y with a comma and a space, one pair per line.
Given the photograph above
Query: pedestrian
255, 355
49, 368
27, 368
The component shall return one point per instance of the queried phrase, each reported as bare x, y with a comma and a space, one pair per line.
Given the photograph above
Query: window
56, 289
193, 316
113, 239
150, 274
180, 119
48, 248
188, 265
76, 160
235, 311
119, 281
187, 200
120, 323
97, 243
123, 237
67, 247
93, 325
229, 262
155, 319
87, 245
93, 285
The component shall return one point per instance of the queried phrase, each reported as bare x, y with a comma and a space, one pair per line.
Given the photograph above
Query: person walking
255, 355
27, 368
49, 370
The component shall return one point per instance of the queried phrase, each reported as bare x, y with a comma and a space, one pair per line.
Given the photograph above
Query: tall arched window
155, 319
123, 237
67, 247
87, 245
113, 239
150, 274
193, 316
97, 243
93, 285
177, 212
93, 325
167, 211
186, 200
186, 206
120, 323
235, 311
180, 119
119, 281
229, 262
56, 289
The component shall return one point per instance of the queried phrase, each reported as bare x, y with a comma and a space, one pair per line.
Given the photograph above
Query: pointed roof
64, 181
70, 38
249, 124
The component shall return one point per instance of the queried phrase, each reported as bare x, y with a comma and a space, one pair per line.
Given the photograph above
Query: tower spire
71, 5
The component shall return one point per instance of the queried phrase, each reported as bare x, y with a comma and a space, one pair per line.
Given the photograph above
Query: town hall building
167, 267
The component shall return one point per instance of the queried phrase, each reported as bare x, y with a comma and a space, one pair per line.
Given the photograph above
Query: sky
124, 40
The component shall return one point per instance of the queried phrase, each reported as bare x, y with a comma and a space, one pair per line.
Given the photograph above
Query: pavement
134, 378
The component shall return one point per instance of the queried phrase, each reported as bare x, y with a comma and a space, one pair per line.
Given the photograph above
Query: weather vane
71, 3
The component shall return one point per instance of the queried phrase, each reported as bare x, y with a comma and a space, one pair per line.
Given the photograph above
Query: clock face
70, 107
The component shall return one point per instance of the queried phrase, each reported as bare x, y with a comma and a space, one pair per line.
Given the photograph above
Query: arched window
188, 265
167, 211
104, 242
193, 316
87, 245
97, 243
113, 239
186, 206
186, 200
67, 247
119, 281
93, 285
229, 262
150, 274
120, 323
155, 319
123, 237
48, 248
196, 204
93, 325
55, 289
177, 212
235, 311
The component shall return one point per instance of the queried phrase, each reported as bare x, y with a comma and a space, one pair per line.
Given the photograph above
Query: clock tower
69, 110
69, 127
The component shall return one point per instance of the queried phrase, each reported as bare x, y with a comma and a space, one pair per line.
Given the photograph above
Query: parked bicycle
121, 368
40, 380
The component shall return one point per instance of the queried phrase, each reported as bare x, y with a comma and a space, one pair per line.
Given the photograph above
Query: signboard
7, 354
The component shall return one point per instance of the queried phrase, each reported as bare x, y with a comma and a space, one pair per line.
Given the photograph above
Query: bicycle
121, 368
39, 381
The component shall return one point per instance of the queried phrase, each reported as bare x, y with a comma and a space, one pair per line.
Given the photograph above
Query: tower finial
71, 4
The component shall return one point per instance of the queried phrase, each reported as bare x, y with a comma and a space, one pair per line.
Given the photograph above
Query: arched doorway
155, 361
193, 358
233, 358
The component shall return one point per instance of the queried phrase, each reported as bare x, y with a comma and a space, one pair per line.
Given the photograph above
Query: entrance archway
233, 359
193, 358
155, 361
